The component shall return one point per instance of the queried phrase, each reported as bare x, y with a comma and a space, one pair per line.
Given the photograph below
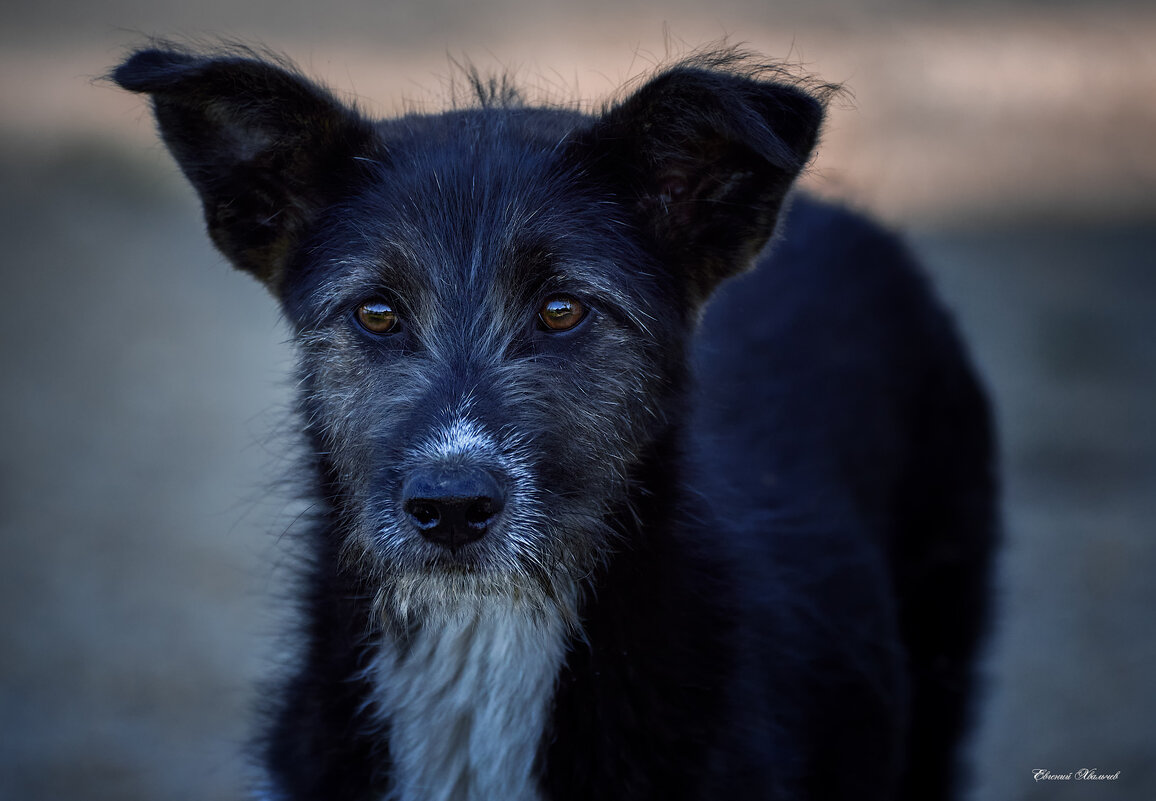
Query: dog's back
579, 532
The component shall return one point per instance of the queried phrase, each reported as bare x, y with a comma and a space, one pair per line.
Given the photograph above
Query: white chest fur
468, 700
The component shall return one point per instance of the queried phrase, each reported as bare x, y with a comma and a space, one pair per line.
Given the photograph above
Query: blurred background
144, 382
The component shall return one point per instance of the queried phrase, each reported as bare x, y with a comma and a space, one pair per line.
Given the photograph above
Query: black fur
775, 512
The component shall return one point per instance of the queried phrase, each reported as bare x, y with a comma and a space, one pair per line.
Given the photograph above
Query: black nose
452, 506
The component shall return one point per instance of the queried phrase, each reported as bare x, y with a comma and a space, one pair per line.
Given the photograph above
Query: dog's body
575, 540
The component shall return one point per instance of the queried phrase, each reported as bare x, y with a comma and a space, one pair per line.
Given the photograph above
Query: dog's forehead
472, 187
470, 204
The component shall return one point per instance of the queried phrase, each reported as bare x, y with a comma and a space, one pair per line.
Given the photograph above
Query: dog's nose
452, 506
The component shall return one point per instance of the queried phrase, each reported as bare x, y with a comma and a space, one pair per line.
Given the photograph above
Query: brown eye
377, 317
561, 313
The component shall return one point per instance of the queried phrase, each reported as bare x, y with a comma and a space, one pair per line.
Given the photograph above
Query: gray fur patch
467, 699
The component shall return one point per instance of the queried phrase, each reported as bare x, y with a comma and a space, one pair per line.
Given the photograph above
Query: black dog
581, 534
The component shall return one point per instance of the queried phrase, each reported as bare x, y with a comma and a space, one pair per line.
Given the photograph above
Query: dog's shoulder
812, 369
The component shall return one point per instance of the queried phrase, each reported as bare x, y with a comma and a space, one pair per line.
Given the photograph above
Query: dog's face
479, 365
492, 306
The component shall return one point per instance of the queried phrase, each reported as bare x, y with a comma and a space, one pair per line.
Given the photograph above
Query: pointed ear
266, 149
705, 157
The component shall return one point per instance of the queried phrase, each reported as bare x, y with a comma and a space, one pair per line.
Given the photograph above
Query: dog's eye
561, 313
377, 317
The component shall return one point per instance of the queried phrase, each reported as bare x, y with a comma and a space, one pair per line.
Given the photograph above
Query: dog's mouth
401, 549
466, 560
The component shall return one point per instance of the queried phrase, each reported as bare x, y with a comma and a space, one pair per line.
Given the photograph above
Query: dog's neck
467, 700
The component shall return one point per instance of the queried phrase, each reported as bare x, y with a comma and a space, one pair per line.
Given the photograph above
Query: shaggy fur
670, 550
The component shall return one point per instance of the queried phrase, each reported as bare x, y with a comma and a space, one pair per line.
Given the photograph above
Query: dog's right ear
266, 149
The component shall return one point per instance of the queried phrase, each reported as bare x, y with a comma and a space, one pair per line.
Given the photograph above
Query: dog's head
492, 305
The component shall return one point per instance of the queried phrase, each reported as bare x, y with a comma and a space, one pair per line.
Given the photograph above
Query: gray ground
144, 383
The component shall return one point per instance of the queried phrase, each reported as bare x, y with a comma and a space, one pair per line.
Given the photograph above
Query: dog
602, 512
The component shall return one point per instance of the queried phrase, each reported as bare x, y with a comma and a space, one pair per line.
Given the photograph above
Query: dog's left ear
705, 158
266, 149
